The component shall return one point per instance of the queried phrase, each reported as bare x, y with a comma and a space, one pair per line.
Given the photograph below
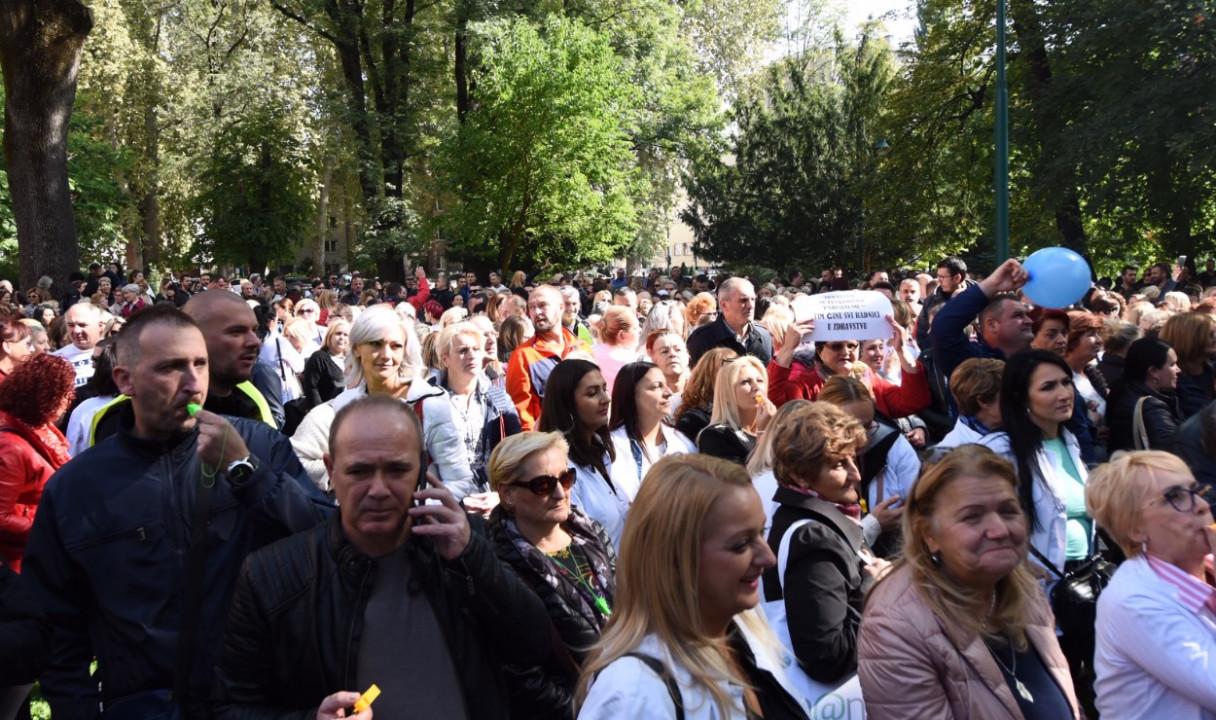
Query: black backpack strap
673, 688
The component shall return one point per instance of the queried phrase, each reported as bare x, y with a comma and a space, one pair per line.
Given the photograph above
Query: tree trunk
327, 177
40, 43
462, 60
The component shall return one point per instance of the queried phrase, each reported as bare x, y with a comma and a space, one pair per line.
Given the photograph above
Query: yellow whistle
367, 698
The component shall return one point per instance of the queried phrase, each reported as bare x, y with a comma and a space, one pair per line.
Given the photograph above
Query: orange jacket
528, 370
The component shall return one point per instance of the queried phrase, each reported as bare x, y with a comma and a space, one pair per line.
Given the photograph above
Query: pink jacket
914, 665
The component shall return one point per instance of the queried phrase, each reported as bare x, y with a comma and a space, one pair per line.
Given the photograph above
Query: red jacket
28, 458
804, 382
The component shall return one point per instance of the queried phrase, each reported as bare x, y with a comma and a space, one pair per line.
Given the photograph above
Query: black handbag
1074, 599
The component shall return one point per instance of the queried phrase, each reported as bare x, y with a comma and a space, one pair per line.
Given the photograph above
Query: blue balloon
1059, 277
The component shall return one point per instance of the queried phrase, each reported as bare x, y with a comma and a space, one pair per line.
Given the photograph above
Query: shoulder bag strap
192, 590
1139, 432
673, 688
783, 550
279, 351
1046, 563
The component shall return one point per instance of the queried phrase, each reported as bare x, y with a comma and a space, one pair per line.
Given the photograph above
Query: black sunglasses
543, 485
1182, 498
841, 346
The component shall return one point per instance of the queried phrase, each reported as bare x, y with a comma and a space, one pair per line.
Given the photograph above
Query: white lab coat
625, 473
602, 503
629, 689
1155, 659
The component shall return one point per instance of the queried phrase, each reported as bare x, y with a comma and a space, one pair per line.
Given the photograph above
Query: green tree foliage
1112, 131
255, 202
543, 165
789, 188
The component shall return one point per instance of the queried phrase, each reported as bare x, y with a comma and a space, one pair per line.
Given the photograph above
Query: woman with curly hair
32, 399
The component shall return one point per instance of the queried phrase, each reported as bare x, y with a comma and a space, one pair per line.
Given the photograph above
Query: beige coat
914, 665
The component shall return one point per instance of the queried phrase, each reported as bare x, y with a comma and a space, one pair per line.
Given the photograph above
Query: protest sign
845, 315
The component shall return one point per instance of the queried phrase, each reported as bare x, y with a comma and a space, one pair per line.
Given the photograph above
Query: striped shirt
1193, 593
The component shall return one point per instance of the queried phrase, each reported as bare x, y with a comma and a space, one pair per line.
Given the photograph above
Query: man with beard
531, 362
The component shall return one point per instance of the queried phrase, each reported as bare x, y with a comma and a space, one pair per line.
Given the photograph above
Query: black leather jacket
1160, 417
296, 621
547, 692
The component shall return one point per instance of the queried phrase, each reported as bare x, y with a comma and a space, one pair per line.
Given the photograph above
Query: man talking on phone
396, 591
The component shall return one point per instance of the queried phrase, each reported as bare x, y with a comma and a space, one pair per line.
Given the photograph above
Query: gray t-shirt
402, 650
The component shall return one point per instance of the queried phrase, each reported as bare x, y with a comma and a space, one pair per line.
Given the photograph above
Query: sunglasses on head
543, 484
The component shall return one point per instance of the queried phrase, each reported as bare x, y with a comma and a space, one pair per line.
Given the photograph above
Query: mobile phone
422, 483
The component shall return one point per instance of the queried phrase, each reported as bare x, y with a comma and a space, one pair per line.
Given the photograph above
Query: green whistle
193, 408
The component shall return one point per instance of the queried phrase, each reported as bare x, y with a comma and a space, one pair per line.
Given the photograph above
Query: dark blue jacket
107, 557
950, 343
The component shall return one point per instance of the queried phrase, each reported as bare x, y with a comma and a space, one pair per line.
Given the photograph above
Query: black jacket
1111, 367
691, 421
322, 379
716, 334
1195, 442
726, 442
824, 587
547, 691
1160, 417
296, 622
107, 562
24, 633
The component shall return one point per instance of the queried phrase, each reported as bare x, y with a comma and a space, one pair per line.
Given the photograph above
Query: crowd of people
607, 497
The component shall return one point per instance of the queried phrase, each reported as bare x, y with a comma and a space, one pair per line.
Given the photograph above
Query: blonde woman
324, 371
760, 462
618, 341
960, 629
684, 639
697, 400
1156, 631
563, 555
310, 312
741, 411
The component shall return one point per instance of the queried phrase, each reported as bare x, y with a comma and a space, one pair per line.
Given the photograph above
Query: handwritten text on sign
847, 315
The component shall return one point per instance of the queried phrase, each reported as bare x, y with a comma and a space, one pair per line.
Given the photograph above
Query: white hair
375, 323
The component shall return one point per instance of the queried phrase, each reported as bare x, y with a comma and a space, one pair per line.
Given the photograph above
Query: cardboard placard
845, 315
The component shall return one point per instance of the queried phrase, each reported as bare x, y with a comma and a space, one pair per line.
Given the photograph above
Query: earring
936, 559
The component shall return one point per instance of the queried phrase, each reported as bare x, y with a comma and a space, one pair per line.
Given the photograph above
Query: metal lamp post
1001, 177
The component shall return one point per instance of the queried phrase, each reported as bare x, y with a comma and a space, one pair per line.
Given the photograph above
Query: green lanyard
598, 599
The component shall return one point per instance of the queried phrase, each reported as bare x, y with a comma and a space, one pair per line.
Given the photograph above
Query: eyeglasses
1182, 498
543, 485
841, 346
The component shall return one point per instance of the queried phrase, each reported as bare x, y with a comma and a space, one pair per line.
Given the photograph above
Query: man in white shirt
83, 321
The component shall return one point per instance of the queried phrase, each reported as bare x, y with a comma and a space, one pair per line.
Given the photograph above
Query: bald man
83, 321
230, 330
531, 362
735, 327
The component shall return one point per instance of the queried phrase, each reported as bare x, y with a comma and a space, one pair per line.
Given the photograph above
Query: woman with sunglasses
561, 554
792, 374
1156, 627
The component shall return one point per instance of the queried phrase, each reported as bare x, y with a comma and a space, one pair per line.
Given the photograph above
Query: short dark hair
884, 285
1144, 354
377, 402
1163, 267
128, 348
1135, 268
995, 307
954, 264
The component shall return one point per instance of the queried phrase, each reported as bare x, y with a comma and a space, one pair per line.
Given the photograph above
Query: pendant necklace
1017, 683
